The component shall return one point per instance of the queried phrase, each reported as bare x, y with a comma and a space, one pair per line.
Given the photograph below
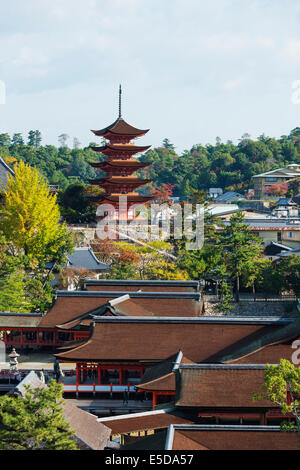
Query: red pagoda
120, 165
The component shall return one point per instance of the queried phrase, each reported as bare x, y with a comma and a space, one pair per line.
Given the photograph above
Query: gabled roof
85, 258
286, 171
161, 376
120, 127
117, 307
230, 195
69, 305
274, 248
285, 201
5, 171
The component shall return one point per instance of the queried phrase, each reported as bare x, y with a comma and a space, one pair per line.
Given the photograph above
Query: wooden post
154, 401
262, 419
120, 376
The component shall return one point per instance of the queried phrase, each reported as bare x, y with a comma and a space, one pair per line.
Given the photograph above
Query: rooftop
120, 127
218, 437
160, 419
86, 258
211, 385
200, 339
71, 305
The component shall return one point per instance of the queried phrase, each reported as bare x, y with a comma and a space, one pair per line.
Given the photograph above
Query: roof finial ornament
120, 102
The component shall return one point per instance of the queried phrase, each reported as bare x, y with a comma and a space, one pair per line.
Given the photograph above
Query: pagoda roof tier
120, 163
114, 149
120, 127
130, 198
114, 198
130, 180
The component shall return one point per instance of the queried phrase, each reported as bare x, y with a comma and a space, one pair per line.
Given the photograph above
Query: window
279, 238
269, 178
291, 234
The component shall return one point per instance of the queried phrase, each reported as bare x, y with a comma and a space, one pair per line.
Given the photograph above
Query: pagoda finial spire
120, 102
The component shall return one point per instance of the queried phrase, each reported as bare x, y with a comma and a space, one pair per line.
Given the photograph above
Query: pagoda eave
121, 148
120, 128
119, 181
121, 163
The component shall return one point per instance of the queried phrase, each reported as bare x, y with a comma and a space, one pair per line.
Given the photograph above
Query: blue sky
191, 70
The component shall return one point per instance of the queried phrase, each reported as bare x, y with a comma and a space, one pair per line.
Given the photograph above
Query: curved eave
120, 149
125, 181
120, 127
130, 199
121, 164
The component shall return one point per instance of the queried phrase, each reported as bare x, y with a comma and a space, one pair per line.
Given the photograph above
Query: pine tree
35, 422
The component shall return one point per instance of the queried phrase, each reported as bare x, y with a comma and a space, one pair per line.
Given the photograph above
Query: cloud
233, 83
62, 63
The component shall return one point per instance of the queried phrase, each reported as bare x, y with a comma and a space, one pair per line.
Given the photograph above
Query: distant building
85, 258
276, 230
263, 181
273, 250
285, 207
215, 192
229, 197
295, 252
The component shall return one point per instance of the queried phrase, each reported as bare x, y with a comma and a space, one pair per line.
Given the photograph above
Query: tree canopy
35, 421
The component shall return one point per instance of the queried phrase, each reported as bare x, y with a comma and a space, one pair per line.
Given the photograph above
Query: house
214, 192
264, 181
274, 249
81, 261
84, 257
285, 207
230, 197
295, 252
282, 231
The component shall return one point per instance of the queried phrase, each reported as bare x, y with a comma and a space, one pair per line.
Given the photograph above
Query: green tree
167, 144
31, 221
17, 139
35, 422
289, 269
282, 387
240, 248
5, 140
13, 295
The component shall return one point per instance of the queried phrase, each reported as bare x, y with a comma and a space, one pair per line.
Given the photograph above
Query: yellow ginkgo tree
30, 219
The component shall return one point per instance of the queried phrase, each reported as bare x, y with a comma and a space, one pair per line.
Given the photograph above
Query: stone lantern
13, 362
